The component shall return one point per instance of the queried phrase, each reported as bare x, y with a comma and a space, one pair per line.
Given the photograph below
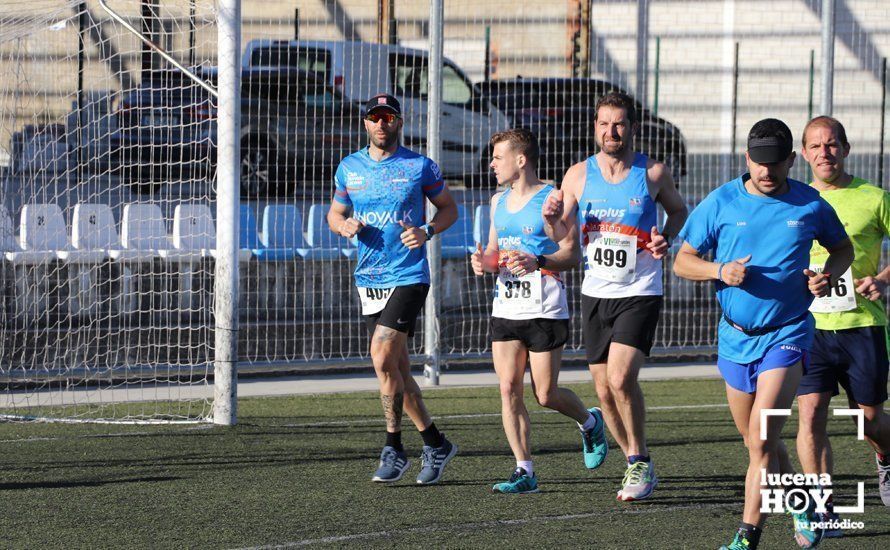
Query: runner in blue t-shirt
760, 228
379, 198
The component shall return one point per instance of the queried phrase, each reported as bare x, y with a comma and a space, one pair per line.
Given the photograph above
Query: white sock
589, 424
527, 466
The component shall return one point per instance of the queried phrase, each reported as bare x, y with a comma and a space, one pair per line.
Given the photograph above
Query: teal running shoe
740, 542
520, 483
594, 442
805, 533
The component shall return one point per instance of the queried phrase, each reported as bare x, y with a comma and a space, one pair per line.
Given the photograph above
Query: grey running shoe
434, 461
639, 481
883, 481
393, 465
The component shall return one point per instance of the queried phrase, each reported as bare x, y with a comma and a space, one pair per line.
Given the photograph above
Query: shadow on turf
864, 535
91, 483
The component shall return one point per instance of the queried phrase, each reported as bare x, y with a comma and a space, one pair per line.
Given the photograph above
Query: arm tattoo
392, 410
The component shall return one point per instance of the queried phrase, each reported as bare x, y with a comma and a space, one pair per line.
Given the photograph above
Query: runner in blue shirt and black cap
379, 197
759, 229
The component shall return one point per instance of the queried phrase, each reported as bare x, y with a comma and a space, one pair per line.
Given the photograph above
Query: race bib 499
612, 256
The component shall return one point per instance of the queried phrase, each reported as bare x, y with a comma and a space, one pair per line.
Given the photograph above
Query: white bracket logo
860, 435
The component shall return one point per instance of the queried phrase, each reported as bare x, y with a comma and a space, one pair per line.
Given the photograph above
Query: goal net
107, 214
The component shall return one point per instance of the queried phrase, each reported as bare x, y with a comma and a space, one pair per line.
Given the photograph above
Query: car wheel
257, 167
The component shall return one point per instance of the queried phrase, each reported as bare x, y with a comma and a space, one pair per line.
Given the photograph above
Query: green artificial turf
296, 471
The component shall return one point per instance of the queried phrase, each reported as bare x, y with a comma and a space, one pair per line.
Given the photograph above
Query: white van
362, 69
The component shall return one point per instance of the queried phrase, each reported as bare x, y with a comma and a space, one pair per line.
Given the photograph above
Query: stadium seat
143, 233
282, 235
248, 241
7, 232
42, 234
323, 243
93, 234
282, 241
143, 236
248, 236
194, 238
457, 240
481, 225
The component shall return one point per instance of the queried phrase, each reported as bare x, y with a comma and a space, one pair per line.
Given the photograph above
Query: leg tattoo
392, 410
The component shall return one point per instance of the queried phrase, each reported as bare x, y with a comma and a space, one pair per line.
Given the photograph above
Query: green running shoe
740, 542
520, 483
594, 441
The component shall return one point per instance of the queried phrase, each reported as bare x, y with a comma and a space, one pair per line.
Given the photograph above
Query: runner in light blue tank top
625, 208
611, 198
529, 312
524, 230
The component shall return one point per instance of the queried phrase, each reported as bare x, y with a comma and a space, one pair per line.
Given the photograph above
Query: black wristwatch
542, 261
429, 230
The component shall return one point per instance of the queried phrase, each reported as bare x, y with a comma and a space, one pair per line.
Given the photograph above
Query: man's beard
614, 151
386, 143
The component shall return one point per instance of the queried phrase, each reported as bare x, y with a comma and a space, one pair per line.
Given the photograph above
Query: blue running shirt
523, 230
778, 233
381, 195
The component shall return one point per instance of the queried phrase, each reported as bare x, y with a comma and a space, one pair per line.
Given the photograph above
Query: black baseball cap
385, 102
769, 141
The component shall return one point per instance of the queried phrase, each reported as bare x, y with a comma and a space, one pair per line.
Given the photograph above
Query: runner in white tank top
530, 313
611, 197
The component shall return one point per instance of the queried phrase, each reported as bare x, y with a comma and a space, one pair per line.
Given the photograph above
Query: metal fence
91, 114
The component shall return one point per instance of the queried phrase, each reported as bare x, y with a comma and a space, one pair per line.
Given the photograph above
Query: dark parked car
561, 110
294, 130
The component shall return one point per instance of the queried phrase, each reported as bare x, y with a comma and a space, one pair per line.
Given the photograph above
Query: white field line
367, 422
98, 436
487, 525
487, 415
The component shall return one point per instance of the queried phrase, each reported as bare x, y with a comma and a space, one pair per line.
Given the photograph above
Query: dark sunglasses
389, 118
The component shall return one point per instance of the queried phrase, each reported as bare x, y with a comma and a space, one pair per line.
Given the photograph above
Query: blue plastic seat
248, 236
457, 240
282, 237
323, 244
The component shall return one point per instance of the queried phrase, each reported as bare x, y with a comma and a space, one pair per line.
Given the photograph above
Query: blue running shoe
434, 461
393, 466
805, 533
594, 441
520, 483
740, 542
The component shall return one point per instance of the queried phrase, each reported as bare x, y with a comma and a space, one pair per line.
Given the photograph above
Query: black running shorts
401, 310
537, 335
631, 321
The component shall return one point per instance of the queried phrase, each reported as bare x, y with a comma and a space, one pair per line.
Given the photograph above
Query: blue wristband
720, 273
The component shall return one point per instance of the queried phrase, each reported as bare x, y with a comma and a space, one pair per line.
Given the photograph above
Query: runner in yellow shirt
850, 346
